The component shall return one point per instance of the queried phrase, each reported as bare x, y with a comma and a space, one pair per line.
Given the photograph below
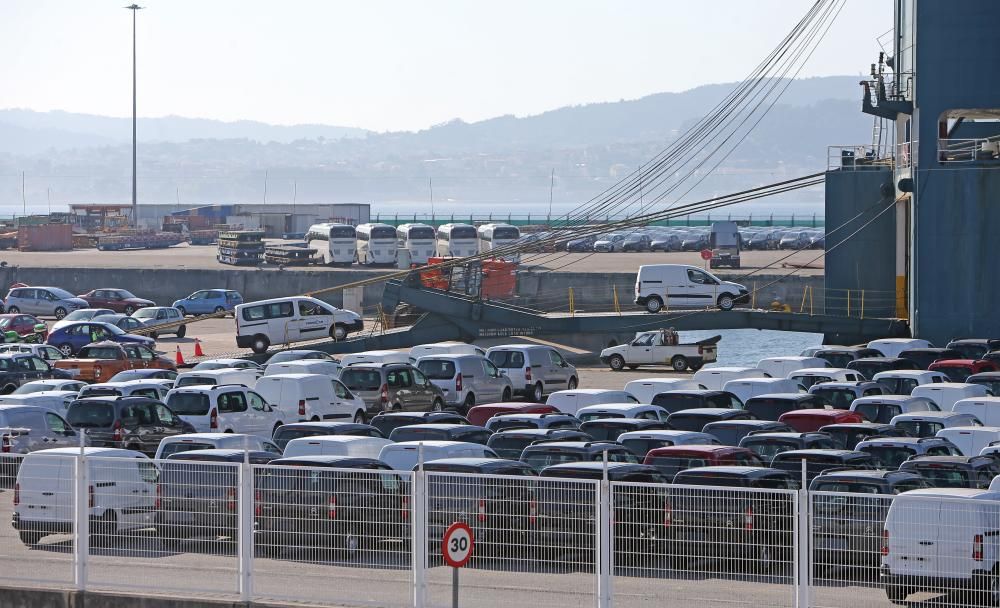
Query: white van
457, 240
213, 441
127, 388
987, 409
121, 485
228, 408
810, 376
940, 539
927, 424
405, 455
657, 285
903, 381
57, 401
314, 397
215, 377
714, 378
622, 410
883, 408
336, 445
326, 367
644, 389
780, 367
751, 387
570, 402
334, 243
971, 440
287, 320
947, 394
444, 348
378, 357
891, 347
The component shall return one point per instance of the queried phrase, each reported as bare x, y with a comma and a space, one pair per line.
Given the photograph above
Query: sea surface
745, 347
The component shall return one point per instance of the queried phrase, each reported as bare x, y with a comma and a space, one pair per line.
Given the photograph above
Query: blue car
209, 301
72, 337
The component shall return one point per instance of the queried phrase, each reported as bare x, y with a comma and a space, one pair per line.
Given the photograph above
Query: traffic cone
197, 348
180, 357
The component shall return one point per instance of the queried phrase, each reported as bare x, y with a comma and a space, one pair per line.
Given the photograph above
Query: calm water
744, 347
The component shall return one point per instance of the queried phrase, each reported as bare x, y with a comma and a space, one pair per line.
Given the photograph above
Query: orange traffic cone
197, 348
180, 357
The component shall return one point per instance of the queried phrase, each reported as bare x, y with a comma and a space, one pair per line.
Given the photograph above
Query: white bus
376, 244
418, 239
497, 236
457, 240
336, 243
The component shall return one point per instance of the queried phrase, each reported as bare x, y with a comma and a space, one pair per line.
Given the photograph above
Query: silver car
466, 380
26, 428
43, 301
154, 316
535, 370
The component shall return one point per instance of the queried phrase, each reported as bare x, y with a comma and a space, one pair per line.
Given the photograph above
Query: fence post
245, 540
418, 544
805, 293
862, 303
810, 300
81, 518
604, 553
803, 553
848, 302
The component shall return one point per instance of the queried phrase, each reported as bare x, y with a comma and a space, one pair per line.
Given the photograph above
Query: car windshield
32, 387
870, 368
125, 293
145, 313
993, 386
838, 398
539, 460
510, 446
689, 422
100, 391
641, 447
599, 415
729, 434
971, 351
839, 360
195, 381
767, 450
189, 404
955, 373
809, 380
672, 465
62, 294
84, 415
417, 433
603, 431
891, 456
898, 386
917, 428
770, 409
940, 477
673, 402
507, 359
183, 446
437, 369
361, 379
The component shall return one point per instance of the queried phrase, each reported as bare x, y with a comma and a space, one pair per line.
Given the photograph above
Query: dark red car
673, 459
479, 414
959, 370
118, 300
807, 421
21, 323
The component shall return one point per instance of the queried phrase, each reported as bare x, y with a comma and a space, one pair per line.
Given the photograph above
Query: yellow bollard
753, 297
618, 308
805, 292
572, 308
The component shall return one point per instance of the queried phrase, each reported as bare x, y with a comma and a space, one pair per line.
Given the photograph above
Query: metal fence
327, 536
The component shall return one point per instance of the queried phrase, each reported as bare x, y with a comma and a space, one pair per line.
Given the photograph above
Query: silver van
26, 428
534, 370
155, 316
466, 380
43, 301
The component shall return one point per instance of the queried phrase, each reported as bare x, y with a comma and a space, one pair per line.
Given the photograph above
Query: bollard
572, 307
618, 309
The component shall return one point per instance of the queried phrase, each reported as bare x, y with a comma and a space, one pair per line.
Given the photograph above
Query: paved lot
203, 257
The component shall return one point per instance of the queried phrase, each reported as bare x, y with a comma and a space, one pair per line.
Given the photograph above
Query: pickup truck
100, 361
659, 347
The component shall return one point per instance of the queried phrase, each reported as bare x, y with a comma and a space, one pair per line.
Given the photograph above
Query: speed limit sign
456, 546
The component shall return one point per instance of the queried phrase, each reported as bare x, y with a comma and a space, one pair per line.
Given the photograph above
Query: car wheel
101, 530
154, 334
350, 544
66, 349
219, 310
572, 384
10, 388
726, 302
764, 559
260, 344
679, 363
338, 332
654, 304
695, 366
13, 310
897, 594
469, 403
129, 310
438, 405
538, 393
184, 312
633, 366
60, 313
617, 362
182, 331
360, 418
29, 537
506, 395
277, 426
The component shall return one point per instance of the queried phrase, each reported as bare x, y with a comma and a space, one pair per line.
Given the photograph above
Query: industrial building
276, 220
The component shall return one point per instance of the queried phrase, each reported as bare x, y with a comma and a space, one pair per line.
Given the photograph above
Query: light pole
135, 210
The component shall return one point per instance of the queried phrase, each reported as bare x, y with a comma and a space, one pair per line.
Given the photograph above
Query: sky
397, 65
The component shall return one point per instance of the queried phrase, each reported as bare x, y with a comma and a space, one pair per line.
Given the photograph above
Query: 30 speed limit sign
456, 546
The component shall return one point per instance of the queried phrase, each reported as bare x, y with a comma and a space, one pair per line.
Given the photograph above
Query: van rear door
963, 522
914, 528
46, 488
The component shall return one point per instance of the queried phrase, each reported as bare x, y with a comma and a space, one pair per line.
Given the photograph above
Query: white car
466, 380
213, 441
225, 408
289, 320
947, 394
336, 445
42, 351
326, 367
780, 367
57, 401
714, 378
971, 440
444, 348
891, 347
375, 356
37, 386
227, 364
570, 402
903, 381
751, 387
660, 347
810, 376
659, 285
311, 397
622, 410
213, 377
987, 409
927, 424
152, 389
405, 455
644, 389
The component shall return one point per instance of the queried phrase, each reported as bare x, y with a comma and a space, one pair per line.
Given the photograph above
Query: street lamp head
134, 7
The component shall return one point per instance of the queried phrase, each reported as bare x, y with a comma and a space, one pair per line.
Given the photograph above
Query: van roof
614, 407
950, 385
660, 434
903, 373
484, 463
588, 391
329, 460
231, 454
975, 493
706, 411
187, 436
788, 396
930, 414
434, 443
335, 439
821, 371
725, 369
91, 451
821, 452
889, 399
272, 300
273, 377
731, 470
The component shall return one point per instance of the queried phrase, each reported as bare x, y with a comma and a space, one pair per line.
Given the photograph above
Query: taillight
458, 383
406, 508
17, 494
159, 496
885, 542
116, 435
258, 508
5, 444
384, 395
213, 419
91, 501
527, 374
302, 407
231, 499
748, 519
97, 371
977, 547
481, 515
331, 508
532, 511
668, 515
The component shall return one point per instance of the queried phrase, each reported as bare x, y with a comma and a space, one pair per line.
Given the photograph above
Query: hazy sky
391, 65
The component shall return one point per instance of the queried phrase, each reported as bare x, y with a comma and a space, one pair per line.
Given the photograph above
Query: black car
818, 461
894, 451
840, 395
732, 432
923, 357
499, 511
338, 503
610, 428
543, 454
767, 445
641, 514
440, 432
721, 524
676, 401
974, 348
695, 419
200, 499
846, 435
954, 471
510, 443
771, 407
18, 368
991, 380
841, 356
503, 422
133, 423
296, 430
387, 421
581, 245
847, 530
869, 366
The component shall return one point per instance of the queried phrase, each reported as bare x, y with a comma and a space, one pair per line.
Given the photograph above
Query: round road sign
456, 546
706, 254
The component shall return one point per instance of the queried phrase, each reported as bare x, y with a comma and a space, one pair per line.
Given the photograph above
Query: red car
118, 300
959, 370
479, 414
807, 421
676, 458
21, 323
